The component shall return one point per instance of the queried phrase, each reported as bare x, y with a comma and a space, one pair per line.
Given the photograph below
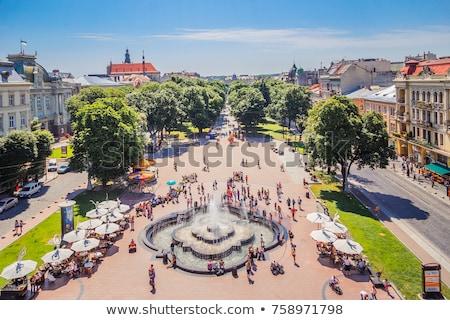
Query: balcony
422, 105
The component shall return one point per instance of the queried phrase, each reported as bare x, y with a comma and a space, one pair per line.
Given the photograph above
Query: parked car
63, 168
52, 166
29, 189
8, 203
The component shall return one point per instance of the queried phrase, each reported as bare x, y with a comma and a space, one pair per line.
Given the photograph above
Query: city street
54, 189
417, 208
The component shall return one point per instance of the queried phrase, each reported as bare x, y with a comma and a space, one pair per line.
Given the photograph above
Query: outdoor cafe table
88, 266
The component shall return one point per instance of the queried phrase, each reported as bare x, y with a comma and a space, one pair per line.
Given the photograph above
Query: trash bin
307, 194
234, 271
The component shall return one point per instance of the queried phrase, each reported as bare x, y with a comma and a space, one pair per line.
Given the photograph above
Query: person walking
16, 227
152, 275
373, 293
132, 223
20, 227
248, 267
293, 246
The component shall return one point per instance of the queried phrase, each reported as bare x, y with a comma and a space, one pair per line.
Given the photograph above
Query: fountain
211, 232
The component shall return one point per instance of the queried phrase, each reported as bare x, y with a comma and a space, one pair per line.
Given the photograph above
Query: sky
216, 37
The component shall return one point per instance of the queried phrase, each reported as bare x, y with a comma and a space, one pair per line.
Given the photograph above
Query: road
51, 191
421, 211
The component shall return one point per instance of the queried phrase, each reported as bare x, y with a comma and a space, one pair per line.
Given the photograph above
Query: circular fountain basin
203, 234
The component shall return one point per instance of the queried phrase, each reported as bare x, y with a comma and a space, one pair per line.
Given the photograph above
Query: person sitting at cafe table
361, 265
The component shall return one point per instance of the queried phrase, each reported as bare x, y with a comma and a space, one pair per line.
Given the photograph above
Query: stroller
276, 268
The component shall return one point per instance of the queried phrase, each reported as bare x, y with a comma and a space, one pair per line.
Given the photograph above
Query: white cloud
322, 38
97, 36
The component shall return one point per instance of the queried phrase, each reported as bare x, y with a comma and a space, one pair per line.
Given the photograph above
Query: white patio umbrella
57, 255
89, 224
85, 244
18, 269
107, 228
74, 235
335, 227
112, 217
323, 235
108, 204
120, 208
317, 217
96, 213
348, 246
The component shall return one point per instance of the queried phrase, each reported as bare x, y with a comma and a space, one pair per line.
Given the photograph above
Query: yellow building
423, 114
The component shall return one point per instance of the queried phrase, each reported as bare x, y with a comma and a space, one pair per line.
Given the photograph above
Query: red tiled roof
131, 68
438, 66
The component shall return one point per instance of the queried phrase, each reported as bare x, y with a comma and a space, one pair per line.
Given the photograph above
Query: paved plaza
123, 276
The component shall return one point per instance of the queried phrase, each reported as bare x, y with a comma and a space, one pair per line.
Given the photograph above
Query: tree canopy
108, 135
338, 135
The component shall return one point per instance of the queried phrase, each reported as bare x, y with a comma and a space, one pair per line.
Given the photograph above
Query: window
441, 139
22, 99
423, 96
23, 119
384, 110
12, 121
428, 96
418, 133
392, 127
47, 102
435, 97
1, 101
435, 138
435, 117
440, 97
1, 123
11, 100
441, 118
392, 111
38, 102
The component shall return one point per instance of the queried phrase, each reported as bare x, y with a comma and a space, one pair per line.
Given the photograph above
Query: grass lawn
56, 153
38, 241
383, 250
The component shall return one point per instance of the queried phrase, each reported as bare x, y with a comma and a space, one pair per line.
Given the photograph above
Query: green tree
108, 134
18, 150
338, 135
195, 106
44, 141
86, 96
295, 103
247, 106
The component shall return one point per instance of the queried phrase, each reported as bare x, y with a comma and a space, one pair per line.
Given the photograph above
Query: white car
52, 166
29, 189
8, 203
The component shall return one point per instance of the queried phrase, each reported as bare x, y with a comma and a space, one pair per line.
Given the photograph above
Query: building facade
14, 100
48, 94
349, 75
423, 112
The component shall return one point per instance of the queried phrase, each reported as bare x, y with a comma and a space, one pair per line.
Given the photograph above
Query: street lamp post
89, 183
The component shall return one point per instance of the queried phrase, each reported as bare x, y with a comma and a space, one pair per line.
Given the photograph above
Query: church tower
127, 57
